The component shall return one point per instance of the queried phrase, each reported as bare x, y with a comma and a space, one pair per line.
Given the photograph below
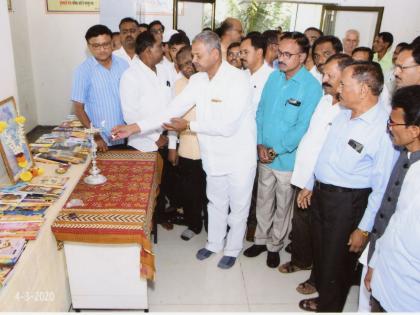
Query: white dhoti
364, 294
232, 190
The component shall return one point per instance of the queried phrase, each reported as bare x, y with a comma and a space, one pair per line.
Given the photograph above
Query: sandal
309, 305
306, 288
289, 268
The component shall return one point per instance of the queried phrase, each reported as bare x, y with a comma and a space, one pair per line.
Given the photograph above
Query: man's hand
100, 144
263, 154
304, 198
357, 241
368, 279
176, 124
124, 131
173, 156
162, 141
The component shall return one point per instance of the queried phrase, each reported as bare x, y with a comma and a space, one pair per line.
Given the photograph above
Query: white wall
48, 47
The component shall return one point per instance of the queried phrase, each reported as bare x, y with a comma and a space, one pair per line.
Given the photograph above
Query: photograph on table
14, 149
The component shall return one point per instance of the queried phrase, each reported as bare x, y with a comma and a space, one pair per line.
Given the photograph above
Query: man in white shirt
394, 265
146, 92
226, 130
252, 52
307, 154
230, 31
323, 48
129, 31
351, 41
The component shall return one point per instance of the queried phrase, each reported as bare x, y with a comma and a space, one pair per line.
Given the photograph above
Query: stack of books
10, 251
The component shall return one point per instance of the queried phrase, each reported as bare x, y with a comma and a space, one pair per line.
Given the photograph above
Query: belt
332, 188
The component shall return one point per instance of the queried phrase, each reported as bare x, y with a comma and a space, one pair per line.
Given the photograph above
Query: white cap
168, 34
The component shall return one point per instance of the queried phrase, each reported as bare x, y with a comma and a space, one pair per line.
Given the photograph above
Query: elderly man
95, 92
310, 146
350, 41
226, 130
382, 48
129, 30
394, 256
351, 175
230, 31
288, 100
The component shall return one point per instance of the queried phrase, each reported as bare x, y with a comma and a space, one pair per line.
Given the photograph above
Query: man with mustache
307, 153
351, 174
407, 66
323, 48
129, 31
287, 102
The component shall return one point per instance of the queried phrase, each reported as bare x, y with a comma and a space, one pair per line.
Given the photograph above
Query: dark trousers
252, 216
376, 307
302, 248
335, 215
192, 179
167, 188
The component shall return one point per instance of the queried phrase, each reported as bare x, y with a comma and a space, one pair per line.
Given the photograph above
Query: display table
39, 280
106, 239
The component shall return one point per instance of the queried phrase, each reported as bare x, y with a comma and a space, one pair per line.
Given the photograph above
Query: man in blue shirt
351, 175
285, 109
95, 93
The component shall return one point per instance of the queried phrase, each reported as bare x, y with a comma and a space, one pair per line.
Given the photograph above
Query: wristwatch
364, 233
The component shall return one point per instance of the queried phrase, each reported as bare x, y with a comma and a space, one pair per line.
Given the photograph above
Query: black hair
270, 36
145, 25
233, 45
115, 34
156, 22
257, 41
402, 45
415, 51
178, 39
416, 41
128, 20
300, 39
408, 99
182, 32
321, 33
254, 33
226, 26
335, 42
183, 51
97, 30
144, 41
370, 73
367, 50
207, 29
343, 60
387, 38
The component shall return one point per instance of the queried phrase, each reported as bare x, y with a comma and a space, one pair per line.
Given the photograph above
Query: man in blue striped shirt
95, 93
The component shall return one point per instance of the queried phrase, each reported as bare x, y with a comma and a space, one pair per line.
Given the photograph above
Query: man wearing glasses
284, 112
407, 67
129, 30
95, 92
234, 55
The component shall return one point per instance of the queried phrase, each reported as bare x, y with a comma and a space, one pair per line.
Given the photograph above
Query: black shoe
273, 259
289, 248
255, 250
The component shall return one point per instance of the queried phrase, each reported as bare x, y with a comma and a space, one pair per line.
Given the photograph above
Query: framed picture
72, 6
9, 5
161, 7
14, 149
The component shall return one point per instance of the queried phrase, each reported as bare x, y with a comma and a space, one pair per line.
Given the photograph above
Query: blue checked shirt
98, 89
284, 113
358, 153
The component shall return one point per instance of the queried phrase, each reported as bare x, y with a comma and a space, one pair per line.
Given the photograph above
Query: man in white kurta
129, 30
226, 130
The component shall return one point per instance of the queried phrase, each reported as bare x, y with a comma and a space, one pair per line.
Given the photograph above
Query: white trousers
232, 190
364, 294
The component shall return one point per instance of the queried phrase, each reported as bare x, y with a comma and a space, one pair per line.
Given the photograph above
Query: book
50, 181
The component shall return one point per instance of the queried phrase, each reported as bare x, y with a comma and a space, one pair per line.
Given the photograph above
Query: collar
414, 157
370, 115
219, 74
143, 67
261, 70
96, 62
298, 76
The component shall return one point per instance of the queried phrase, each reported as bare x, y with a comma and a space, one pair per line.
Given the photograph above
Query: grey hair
210, 39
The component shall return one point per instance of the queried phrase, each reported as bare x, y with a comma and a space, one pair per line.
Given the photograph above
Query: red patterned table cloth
120, 210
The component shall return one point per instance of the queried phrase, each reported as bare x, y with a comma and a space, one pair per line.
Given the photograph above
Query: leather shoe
255, 250
273, 259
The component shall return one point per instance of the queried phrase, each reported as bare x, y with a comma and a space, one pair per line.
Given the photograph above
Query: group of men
271, 132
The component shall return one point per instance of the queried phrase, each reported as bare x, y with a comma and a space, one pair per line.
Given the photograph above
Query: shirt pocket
348, 158
291, 113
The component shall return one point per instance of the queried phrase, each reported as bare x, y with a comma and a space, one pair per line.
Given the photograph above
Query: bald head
351, 41
231, 30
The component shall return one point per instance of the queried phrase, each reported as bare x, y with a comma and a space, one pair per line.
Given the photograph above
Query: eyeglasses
391, 123
234, 54
156, 31
402, 68
286, 54
97, 46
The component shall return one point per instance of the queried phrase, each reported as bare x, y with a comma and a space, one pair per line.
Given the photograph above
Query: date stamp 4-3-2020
35, 296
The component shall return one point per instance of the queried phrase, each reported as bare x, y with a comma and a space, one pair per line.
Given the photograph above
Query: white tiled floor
185, 284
